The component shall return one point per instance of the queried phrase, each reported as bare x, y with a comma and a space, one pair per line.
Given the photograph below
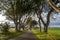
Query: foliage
5, 28
33, 23
12, 33
29, 20
15, 9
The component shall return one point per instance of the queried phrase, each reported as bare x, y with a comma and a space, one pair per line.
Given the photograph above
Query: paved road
25, 36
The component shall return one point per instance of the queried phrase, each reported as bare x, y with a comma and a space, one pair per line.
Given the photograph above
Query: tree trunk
46, 28
40, 24
19, 23
39, 16
16, 27
48, 21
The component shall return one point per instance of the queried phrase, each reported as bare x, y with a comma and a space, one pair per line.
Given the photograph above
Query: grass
12, 33
53, 34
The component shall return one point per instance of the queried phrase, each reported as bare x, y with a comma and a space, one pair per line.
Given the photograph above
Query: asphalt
25, 36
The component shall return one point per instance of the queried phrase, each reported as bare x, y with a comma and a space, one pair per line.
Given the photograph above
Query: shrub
5, 28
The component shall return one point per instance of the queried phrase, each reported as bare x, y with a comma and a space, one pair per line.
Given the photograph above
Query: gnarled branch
53, 6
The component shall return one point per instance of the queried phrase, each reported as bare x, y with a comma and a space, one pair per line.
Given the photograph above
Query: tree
37, 9
31, 22
17, 10
10, 7
53, 5
48, 19
5, 28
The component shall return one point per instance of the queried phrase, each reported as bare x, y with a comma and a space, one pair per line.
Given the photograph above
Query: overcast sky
2, 18
53, 23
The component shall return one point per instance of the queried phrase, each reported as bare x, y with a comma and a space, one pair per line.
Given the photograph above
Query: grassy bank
53, 34
12, 33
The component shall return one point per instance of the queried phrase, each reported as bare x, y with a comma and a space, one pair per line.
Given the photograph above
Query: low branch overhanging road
25, 36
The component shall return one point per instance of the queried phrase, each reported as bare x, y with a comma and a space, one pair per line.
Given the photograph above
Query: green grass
54, 31
12, 33
2, 36
53, 34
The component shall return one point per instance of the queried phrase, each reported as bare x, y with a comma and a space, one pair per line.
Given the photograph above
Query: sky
55, 23
2, 18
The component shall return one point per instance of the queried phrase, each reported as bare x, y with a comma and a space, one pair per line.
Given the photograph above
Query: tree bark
40, 24
16, 25
16, 22
39, 16
20, 23
53, 6
48, 21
